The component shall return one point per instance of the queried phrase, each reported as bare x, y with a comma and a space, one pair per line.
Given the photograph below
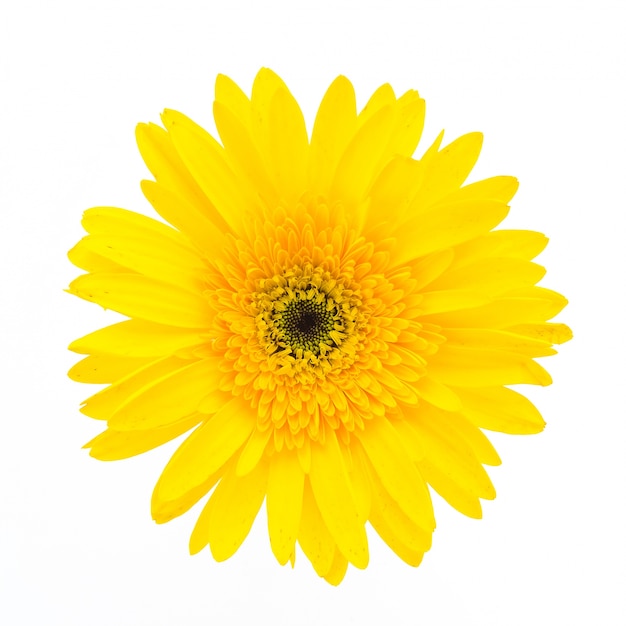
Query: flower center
305, 324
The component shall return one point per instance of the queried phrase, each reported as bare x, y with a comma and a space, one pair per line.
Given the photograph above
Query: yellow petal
104, 403
266, 84
105, 369
396, 529
160, 259
397, 473
548, 332
503, 312
446, 226
476, 367
333, 494
228, 516
448, 169
513, 244
501, 409
334, 126
288, 146
499, 188
136, 338
169, 398
229, 94
443, 301
145, 298
207, 162
358, 165
313, 535
499, 340
168, 169
491, 276
456, 496
206, 450
113, 445
172, 207
337, 569
284, 503
243, 152
438, 394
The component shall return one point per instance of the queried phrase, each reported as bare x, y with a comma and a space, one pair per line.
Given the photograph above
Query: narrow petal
169, 170
501, 409
207, 162
498, 340
446, 226
105, 369
136, 338
160, 259
229, 94
242, 150
477, 367
113, 445
229, 514
206, 450
288, 146
388, 457
313, 535
359, 162
334, 126
448, 169
333, 494
284, 503
172, 207
492, 276
104, 403
145, 298
168, 399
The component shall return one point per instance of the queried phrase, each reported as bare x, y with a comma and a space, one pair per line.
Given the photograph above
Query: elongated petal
136, 338
397, 473
334, 126
145, 298
113, 445
284, 503
477, 367
228, 516
501, 409
206, 161
314, 537
104, 403
445, 227
206, 450
288, 145
105, 368
169, 170
185, 216
331, 488
168, 399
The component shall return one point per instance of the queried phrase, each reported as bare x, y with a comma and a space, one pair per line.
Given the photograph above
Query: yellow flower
333, 320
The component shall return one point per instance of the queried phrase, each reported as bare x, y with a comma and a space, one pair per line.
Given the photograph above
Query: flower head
334, 320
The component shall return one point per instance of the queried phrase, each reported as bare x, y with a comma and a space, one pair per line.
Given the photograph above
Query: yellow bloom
334, 320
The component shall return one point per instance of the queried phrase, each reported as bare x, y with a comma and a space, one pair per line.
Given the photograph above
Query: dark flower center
306, 324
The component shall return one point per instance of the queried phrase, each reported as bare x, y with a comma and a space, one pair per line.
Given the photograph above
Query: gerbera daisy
334, 320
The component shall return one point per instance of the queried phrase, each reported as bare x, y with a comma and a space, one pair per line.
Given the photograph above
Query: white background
544, 81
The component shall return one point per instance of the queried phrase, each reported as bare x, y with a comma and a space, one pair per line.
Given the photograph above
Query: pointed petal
397, 473
334, 126
105, 369
113, 445
284, 503
168, 399
228, 516
145, 298
206, 450
333, 494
